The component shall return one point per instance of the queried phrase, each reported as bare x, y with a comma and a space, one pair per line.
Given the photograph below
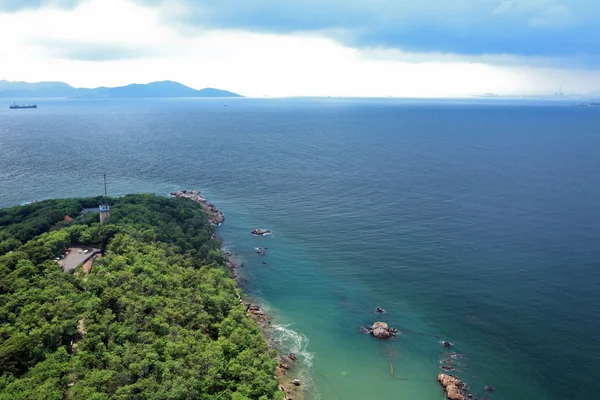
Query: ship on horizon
17, 106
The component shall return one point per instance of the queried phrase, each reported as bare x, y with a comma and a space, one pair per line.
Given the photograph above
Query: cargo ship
16, 106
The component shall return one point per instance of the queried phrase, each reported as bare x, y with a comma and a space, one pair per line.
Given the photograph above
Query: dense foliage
157, 317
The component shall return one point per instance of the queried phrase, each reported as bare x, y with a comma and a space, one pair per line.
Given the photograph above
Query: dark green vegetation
158, 316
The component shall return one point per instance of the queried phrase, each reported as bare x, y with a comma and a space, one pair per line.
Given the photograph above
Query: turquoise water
473, 222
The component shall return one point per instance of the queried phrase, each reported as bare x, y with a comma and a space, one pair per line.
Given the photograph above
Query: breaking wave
288, 340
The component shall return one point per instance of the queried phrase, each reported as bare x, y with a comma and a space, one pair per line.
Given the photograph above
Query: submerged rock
261, 232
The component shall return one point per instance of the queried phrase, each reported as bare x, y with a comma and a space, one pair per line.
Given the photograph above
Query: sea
473, 221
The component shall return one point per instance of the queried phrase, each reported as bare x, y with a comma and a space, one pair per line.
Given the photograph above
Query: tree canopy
156, 318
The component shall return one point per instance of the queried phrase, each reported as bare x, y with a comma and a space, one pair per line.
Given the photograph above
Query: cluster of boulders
281, 372
381, 330
455, 388
215, 216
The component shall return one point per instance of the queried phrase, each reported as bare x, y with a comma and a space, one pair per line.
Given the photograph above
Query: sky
404, 48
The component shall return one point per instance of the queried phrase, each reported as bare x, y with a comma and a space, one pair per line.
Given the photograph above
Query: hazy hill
60, 89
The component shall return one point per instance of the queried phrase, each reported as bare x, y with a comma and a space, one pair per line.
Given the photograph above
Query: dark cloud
547, 28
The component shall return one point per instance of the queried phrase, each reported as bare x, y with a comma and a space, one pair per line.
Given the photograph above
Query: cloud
117, 42
540, 29
95, 30
16, 5
519, 27
86, 51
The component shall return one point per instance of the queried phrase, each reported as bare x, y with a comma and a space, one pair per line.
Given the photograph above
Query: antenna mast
105, 192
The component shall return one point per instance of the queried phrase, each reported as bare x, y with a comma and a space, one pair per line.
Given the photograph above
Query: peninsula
162, 89
140, 306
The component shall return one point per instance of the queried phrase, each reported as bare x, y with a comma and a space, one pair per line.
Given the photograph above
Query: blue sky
555, 37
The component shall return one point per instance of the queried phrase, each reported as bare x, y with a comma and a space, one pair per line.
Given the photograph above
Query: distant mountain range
60, 89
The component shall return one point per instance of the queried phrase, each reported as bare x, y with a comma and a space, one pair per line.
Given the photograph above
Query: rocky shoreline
287, 369
291, 386
215, 216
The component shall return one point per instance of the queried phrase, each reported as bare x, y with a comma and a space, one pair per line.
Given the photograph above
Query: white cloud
53, 44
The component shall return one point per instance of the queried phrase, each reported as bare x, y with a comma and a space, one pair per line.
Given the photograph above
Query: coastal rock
453, 386
296, 382
292, 356
381, 333
261, 232
215, 216
284, 365
381, 330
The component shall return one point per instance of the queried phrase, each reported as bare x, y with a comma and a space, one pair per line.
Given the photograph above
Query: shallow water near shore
468, 221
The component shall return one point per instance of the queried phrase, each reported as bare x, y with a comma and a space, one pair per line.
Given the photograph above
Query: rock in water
382, 331
261, 232
453, 386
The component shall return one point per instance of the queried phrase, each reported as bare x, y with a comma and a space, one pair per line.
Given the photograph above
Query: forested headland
156, 318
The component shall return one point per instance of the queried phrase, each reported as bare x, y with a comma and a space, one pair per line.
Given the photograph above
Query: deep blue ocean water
476, 222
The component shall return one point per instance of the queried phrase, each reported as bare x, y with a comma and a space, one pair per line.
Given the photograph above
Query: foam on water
288, 341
